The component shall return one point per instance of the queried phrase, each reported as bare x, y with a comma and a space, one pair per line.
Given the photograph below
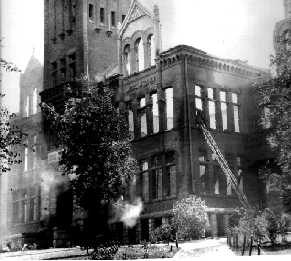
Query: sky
231, 29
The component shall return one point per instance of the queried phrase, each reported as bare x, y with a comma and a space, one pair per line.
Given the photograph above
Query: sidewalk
205, 248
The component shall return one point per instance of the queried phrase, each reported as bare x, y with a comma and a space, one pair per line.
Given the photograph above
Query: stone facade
161, 92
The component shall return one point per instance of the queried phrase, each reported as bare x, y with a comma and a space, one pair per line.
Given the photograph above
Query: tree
274, 93
190, 217
10, 135
94, 141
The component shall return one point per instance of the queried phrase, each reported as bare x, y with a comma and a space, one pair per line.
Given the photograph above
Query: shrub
190, 217
272, 226
251, 225
165, 233
284, 225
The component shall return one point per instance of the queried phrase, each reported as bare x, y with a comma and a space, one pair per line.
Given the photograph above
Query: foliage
165, 233
252, 225
272, 226
275, 94
93, 137
140, 252
190, 217
284, 225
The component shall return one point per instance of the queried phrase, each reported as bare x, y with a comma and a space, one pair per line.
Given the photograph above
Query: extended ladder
223, 164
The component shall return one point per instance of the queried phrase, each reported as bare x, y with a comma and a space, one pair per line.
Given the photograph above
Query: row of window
213, 179
139, 56
207, 98
25, 205
156, 179
92, 14
64, 69
31, 103
148, 123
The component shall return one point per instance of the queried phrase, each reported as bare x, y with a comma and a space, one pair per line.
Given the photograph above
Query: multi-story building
161, 92
23, 195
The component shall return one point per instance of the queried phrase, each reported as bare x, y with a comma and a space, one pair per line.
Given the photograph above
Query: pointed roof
135, 12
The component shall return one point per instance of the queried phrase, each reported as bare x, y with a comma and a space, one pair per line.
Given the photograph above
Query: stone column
214, 224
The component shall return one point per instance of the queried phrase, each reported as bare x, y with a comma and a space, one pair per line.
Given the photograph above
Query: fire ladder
222, 162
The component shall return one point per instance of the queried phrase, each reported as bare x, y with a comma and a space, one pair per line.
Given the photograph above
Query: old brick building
161, 91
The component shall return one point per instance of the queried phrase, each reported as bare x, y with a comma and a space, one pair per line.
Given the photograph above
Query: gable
138, 17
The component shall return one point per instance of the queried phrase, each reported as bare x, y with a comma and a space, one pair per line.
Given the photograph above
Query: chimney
287, 8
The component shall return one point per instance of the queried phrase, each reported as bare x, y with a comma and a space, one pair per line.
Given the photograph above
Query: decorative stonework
136, 13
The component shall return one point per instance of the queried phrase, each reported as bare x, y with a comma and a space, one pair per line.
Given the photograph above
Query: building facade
161, 91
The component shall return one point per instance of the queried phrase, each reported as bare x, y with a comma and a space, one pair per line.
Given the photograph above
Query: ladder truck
221, 160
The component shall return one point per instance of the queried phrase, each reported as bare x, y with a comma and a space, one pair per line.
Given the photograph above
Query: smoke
127, 213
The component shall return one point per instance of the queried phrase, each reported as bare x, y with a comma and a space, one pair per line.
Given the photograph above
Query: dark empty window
113, 18
122, 18
91, 11
102, 17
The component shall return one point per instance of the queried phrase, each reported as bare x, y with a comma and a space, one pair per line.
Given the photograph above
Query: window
235, 111
54, 74
33, 204
73, 12
142, 117
126, 58
203, 171
25, 159
223, 109
139, 54
169, 108
170, 188
34, 101
198, 97
34, 163
212, 109
91, 12
155, 112
72, 65
230, 161
16, 206
26, 108
23, 204
239, 173
130, 121
63, 69
157, 176
145, 180
102, 15
151, 50
113, 21
122, 18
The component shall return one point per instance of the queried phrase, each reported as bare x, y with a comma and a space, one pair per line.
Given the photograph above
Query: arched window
151, 50
126, 60
139, 54
34, 101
